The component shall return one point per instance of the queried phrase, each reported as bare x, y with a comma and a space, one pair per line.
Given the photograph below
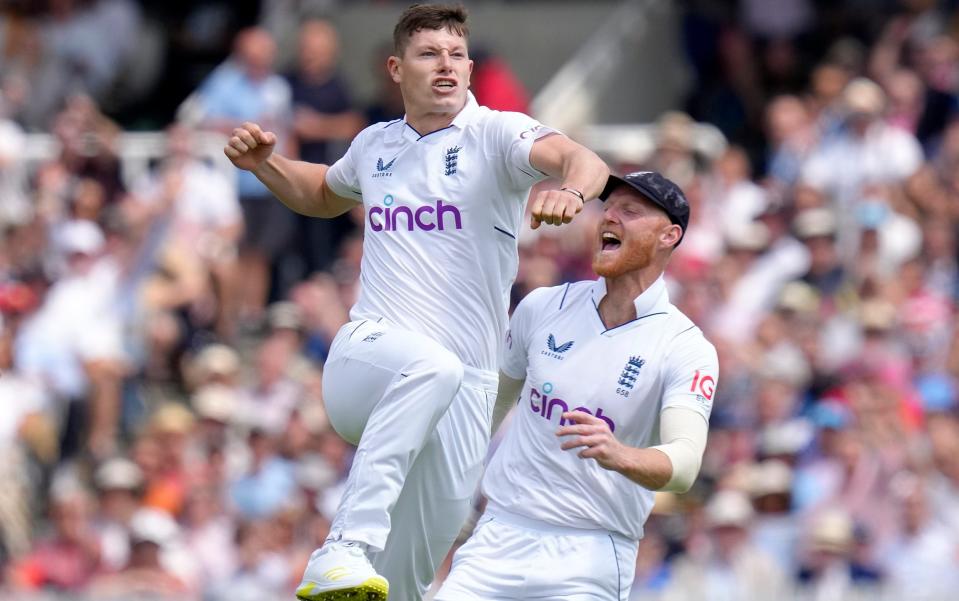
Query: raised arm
299, 185
582, 173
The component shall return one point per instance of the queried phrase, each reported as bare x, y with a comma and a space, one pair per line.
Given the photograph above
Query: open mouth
610, 241
444, 85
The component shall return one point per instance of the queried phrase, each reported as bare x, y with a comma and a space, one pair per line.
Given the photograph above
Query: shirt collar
461, 120
654, 299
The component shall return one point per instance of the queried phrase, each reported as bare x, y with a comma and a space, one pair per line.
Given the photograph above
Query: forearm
584, 171
299, 185
650, 468
673, 465
506, 394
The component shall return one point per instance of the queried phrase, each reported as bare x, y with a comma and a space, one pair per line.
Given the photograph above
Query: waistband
521, 521
480, 378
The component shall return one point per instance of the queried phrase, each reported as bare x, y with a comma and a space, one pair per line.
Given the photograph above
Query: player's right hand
249, 146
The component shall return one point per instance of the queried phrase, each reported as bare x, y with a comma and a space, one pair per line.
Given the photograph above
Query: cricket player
412, 378
615, 387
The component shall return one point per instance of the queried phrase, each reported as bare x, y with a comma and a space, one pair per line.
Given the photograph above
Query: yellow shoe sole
372, 589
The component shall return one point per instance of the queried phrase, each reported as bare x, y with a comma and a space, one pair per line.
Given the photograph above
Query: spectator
494, 83
921, 562
73, 342
64, 561
869, 151
206, 218
269, 483
246, 88
323, 123
832, 570
730, 567
144, 573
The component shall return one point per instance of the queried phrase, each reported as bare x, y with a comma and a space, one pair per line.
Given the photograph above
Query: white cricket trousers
422, 423
514, 558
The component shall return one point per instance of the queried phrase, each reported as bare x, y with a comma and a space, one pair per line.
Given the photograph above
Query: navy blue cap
657, 189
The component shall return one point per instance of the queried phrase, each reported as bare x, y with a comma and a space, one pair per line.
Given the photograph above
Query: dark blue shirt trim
357, 328
502, 231
595, 306
563, 300
421, 136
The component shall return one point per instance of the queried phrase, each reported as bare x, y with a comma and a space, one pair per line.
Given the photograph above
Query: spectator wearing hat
287, 325
816, 228
774, 529
215, 364
217, 447
160, 452
831, 568
119, 486
731, 566
73, 343
868, 150
144, 572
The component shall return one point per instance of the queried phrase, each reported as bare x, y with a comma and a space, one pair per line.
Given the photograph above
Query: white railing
635, 142
135, 150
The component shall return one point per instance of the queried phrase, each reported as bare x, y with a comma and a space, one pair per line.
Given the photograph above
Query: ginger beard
629, 234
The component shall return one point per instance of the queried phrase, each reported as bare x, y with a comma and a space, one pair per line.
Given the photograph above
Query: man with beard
615, 387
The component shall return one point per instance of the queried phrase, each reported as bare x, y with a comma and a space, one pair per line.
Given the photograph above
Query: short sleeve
692, 373
342, 178
512, 136
515, 349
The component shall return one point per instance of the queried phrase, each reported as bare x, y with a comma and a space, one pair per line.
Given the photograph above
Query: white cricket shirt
442, 214
625, 375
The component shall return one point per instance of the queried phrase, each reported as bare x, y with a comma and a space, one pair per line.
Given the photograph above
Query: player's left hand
554, 207
593, 433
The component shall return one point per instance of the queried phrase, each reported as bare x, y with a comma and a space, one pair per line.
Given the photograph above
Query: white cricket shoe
341, 572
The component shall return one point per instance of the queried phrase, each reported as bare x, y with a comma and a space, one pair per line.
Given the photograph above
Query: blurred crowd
162, 431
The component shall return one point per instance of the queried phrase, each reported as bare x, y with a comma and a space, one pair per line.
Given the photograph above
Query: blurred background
165, 323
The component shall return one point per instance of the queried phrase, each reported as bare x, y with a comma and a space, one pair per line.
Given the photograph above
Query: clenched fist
249, 146
555, 207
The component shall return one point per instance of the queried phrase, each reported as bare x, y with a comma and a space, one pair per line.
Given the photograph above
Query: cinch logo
556, 351
543, 405
384, 170
427, 218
